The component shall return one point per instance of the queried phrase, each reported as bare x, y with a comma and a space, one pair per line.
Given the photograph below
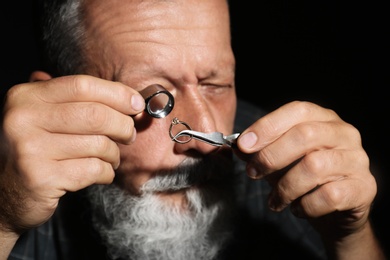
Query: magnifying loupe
159, 101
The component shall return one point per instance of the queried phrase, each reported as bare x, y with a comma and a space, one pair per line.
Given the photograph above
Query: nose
192, 112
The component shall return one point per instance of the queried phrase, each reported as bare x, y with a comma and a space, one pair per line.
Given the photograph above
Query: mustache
216, 169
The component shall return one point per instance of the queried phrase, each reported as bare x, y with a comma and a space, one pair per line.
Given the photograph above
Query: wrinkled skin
64, 134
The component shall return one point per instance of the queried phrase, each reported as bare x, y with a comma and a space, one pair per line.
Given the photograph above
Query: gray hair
62, 36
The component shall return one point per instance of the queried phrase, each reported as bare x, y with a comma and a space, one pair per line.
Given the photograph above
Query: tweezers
214, 138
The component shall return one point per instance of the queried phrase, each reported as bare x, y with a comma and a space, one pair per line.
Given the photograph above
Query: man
88, 174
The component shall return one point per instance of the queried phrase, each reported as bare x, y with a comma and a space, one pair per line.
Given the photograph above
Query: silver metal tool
214, 138
159, 101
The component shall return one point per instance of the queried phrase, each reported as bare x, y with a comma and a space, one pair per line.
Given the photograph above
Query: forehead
135, 33
154, 13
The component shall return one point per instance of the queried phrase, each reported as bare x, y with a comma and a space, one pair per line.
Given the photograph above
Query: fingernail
248, 140
116, 166
252, 173
271, 204
133, 136
137, 102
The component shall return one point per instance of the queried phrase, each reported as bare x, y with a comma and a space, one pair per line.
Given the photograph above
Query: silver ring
176, 121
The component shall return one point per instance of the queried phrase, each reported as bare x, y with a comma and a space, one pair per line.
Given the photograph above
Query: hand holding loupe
159, 102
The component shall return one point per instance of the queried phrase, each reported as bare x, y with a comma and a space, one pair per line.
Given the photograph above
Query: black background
334, 53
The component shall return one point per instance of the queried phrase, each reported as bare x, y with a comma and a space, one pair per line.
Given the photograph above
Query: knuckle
333, 196
306, 133
13, 120
354, 133
95, 167
313, 163
95, 117
303, 108
106, 146
85, 174
15, 93
34, 176
267, 159
364, 160
81, 86
100, 171
102, 143
28, 147
16, 119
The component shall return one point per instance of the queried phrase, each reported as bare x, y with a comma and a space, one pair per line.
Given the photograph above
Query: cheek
151, 151
224, 110
147, 152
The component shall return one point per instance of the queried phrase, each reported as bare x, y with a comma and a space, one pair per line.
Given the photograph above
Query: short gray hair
62, 35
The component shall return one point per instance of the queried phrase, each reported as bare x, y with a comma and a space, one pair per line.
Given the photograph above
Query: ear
39, 76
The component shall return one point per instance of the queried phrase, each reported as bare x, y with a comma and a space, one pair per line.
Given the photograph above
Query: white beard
147, 227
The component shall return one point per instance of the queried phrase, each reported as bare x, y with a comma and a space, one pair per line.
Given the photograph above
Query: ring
176, 121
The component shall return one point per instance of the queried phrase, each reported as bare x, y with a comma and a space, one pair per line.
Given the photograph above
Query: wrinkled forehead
136, 14
123, 31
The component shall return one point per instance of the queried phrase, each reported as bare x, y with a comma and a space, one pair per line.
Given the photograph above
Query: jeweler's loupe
159, 101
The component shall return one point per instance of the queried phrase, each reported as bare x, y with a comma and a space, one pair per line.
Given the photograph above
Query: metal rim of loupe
165, 110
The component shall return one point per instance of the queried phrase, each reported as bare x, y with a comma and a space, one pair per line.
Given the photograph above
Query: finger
82, 88
344, 195
301, 140
60, 147
270, 127
315, 170
81, 173
88, 119
58, 177
70, 118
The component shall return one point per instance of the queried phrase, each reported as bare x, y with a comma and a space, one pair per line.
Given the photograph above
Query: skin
64, 134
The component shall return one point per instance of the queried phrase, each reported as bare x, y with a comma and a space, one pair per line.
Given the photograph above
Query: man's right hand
60, 135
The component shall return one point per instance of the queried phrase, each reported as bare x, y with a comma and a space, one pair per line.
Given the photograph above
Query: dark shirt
259, 234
